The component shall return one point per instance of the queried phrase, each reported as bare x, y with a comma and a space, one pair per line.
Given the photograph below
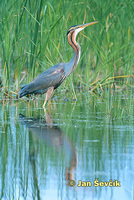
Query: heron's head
79, 28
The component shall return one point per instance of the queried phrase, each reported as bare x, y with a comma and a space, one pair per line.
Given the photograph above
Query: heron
52, 78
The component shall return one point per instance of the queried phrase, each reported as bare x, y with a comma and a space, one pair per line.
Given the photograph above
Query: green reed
33, 38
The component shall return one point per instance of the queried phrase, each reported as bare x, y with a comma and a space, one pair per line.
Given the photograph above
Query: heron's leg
48, 119
49, 95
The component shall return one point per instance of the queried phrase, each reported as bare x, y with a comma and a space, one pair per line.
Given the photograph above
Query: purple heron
52, 78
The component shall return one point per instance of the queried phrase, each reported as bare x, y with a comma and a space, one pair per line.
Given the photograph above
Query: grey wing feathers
51, 77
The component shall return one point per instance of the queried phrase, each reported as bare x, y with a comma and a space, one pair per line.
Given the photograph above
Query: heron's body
52, 78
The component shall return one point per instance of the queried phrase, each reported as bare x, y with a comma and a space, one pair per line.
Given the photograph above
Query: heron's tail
23, 91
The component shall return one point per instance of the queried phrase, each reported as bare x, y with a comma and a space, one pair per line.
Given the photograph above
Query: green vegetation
33, 38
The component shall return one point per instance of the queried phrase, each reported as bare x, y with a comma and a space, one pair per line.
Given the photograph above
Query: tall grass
33, 38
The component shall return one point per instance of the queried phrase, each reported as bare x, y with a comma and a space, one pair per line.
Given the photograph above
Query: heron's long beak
88, 24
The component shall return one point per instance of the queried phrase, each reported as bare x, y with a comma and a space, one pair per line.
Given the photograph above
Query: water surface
42, 150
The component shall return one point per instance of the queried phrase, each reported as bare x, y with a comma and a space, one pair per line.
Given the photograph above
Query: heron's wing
51, 77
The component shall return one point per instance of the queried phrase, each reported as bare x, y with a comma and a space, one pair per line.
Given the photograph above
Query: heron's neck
76, 57
72, 64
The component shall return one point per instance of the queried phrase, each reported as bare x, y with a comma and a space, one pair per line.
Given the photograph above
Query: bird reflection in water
52, 136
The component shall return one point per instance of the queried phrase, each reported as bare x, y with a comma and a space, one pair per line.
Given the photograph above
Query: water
42, 150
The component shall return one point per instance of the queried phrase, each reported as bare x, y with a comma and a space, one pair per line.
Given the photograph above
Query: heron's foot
44, 104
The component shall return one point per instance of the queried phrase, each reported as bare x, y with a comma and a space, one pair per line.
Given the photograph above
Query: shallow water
42, 150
